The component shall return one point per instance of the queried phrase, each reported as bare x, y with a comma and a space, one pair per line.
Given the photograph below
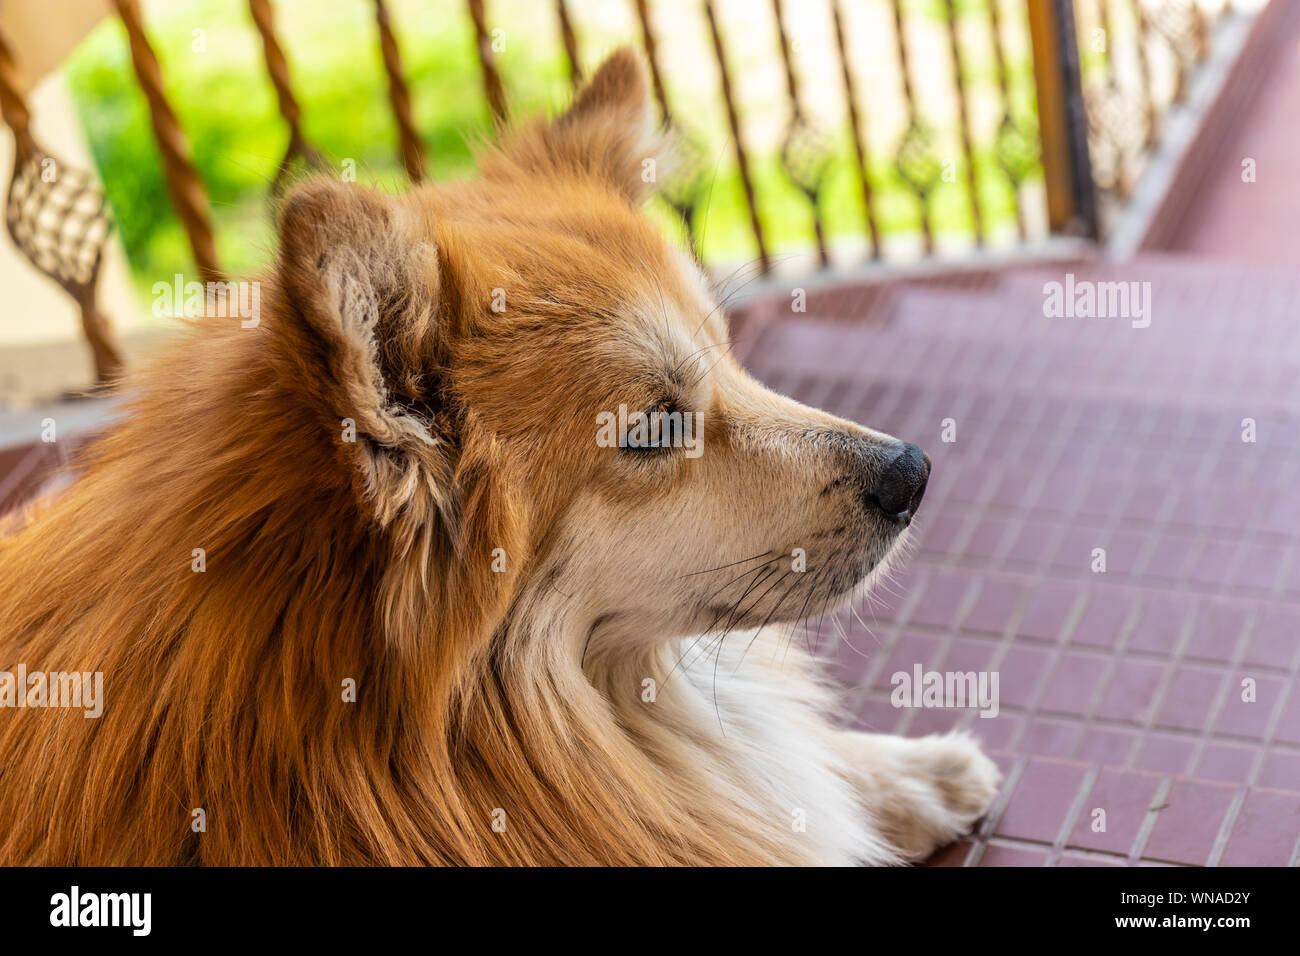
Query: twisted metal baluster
914, 158
570, 42
1180, 24
12, 105
855, 122
58, 223
733, 120
964, 115
652, 55
685, 183
1142, 29
496, 95
1103, 21
183, 183
808, 171
278, 69
399, 97
1014, 147
1119, 122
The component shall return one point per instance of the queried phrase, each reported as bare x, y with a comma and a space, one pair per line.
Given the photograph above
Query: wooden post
1062, 122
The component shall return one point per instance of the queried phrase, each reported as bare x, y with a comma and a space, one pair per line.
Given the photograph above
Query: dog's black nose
901, 483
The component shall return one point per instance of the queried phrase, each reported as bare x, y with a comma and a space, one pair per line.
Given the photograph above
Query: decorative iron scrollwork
917, 161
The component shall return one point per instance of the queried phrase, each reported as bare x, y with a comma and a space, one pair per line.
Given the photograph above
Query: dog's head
544, 399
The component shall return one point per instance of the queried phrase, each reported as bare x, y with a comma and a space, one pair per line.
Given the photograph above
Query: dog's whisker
731, 565
863, 623
725, 612
702, 349
718, 591
721, 641
699, 378
770, 614
733, 613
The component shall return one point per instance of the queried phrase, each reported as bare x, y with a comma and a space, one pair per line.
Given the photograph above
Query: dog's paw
924, 793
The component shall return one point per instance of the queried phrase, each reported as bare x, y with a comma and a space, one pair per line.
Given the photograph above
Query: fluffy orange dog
440, 620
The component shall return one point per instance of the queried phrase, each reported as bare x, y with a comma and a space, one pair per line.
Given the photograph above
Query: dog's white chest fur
764, 717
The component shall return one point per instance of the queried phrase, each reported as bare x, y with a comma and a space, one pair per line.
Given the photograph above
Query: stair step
1069, 813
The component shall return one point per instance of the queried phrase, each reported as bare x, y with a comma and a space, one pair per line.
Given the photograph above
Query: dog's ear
366, 294
608, 132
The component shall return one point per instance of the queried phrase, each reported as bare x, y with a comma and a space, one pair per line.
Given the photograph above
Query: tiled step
1228, 320
994, 340
1054, 812
862, 300
1190, 271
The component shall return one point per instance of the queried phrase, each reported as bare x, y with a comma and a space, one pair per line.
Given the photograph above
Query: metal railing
1137, 60
969, 121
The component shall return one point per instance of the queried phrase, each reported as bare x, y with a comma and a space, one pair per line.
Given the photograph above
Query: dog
480, 548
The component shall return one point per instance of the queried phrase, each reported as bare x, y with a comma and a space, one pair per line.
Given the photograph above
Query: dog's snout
900, 485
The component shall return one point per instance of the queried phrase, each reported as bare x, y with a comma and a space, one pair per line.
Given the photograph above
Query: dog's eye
632, 443
656, 430
648, 439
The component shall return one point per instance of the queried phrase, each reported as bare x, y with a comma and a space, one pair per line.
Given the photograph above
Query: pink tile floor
1121, 691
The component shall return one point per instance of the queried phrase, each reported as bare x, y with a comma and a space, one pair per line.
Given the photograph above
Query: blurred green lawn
227, 107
